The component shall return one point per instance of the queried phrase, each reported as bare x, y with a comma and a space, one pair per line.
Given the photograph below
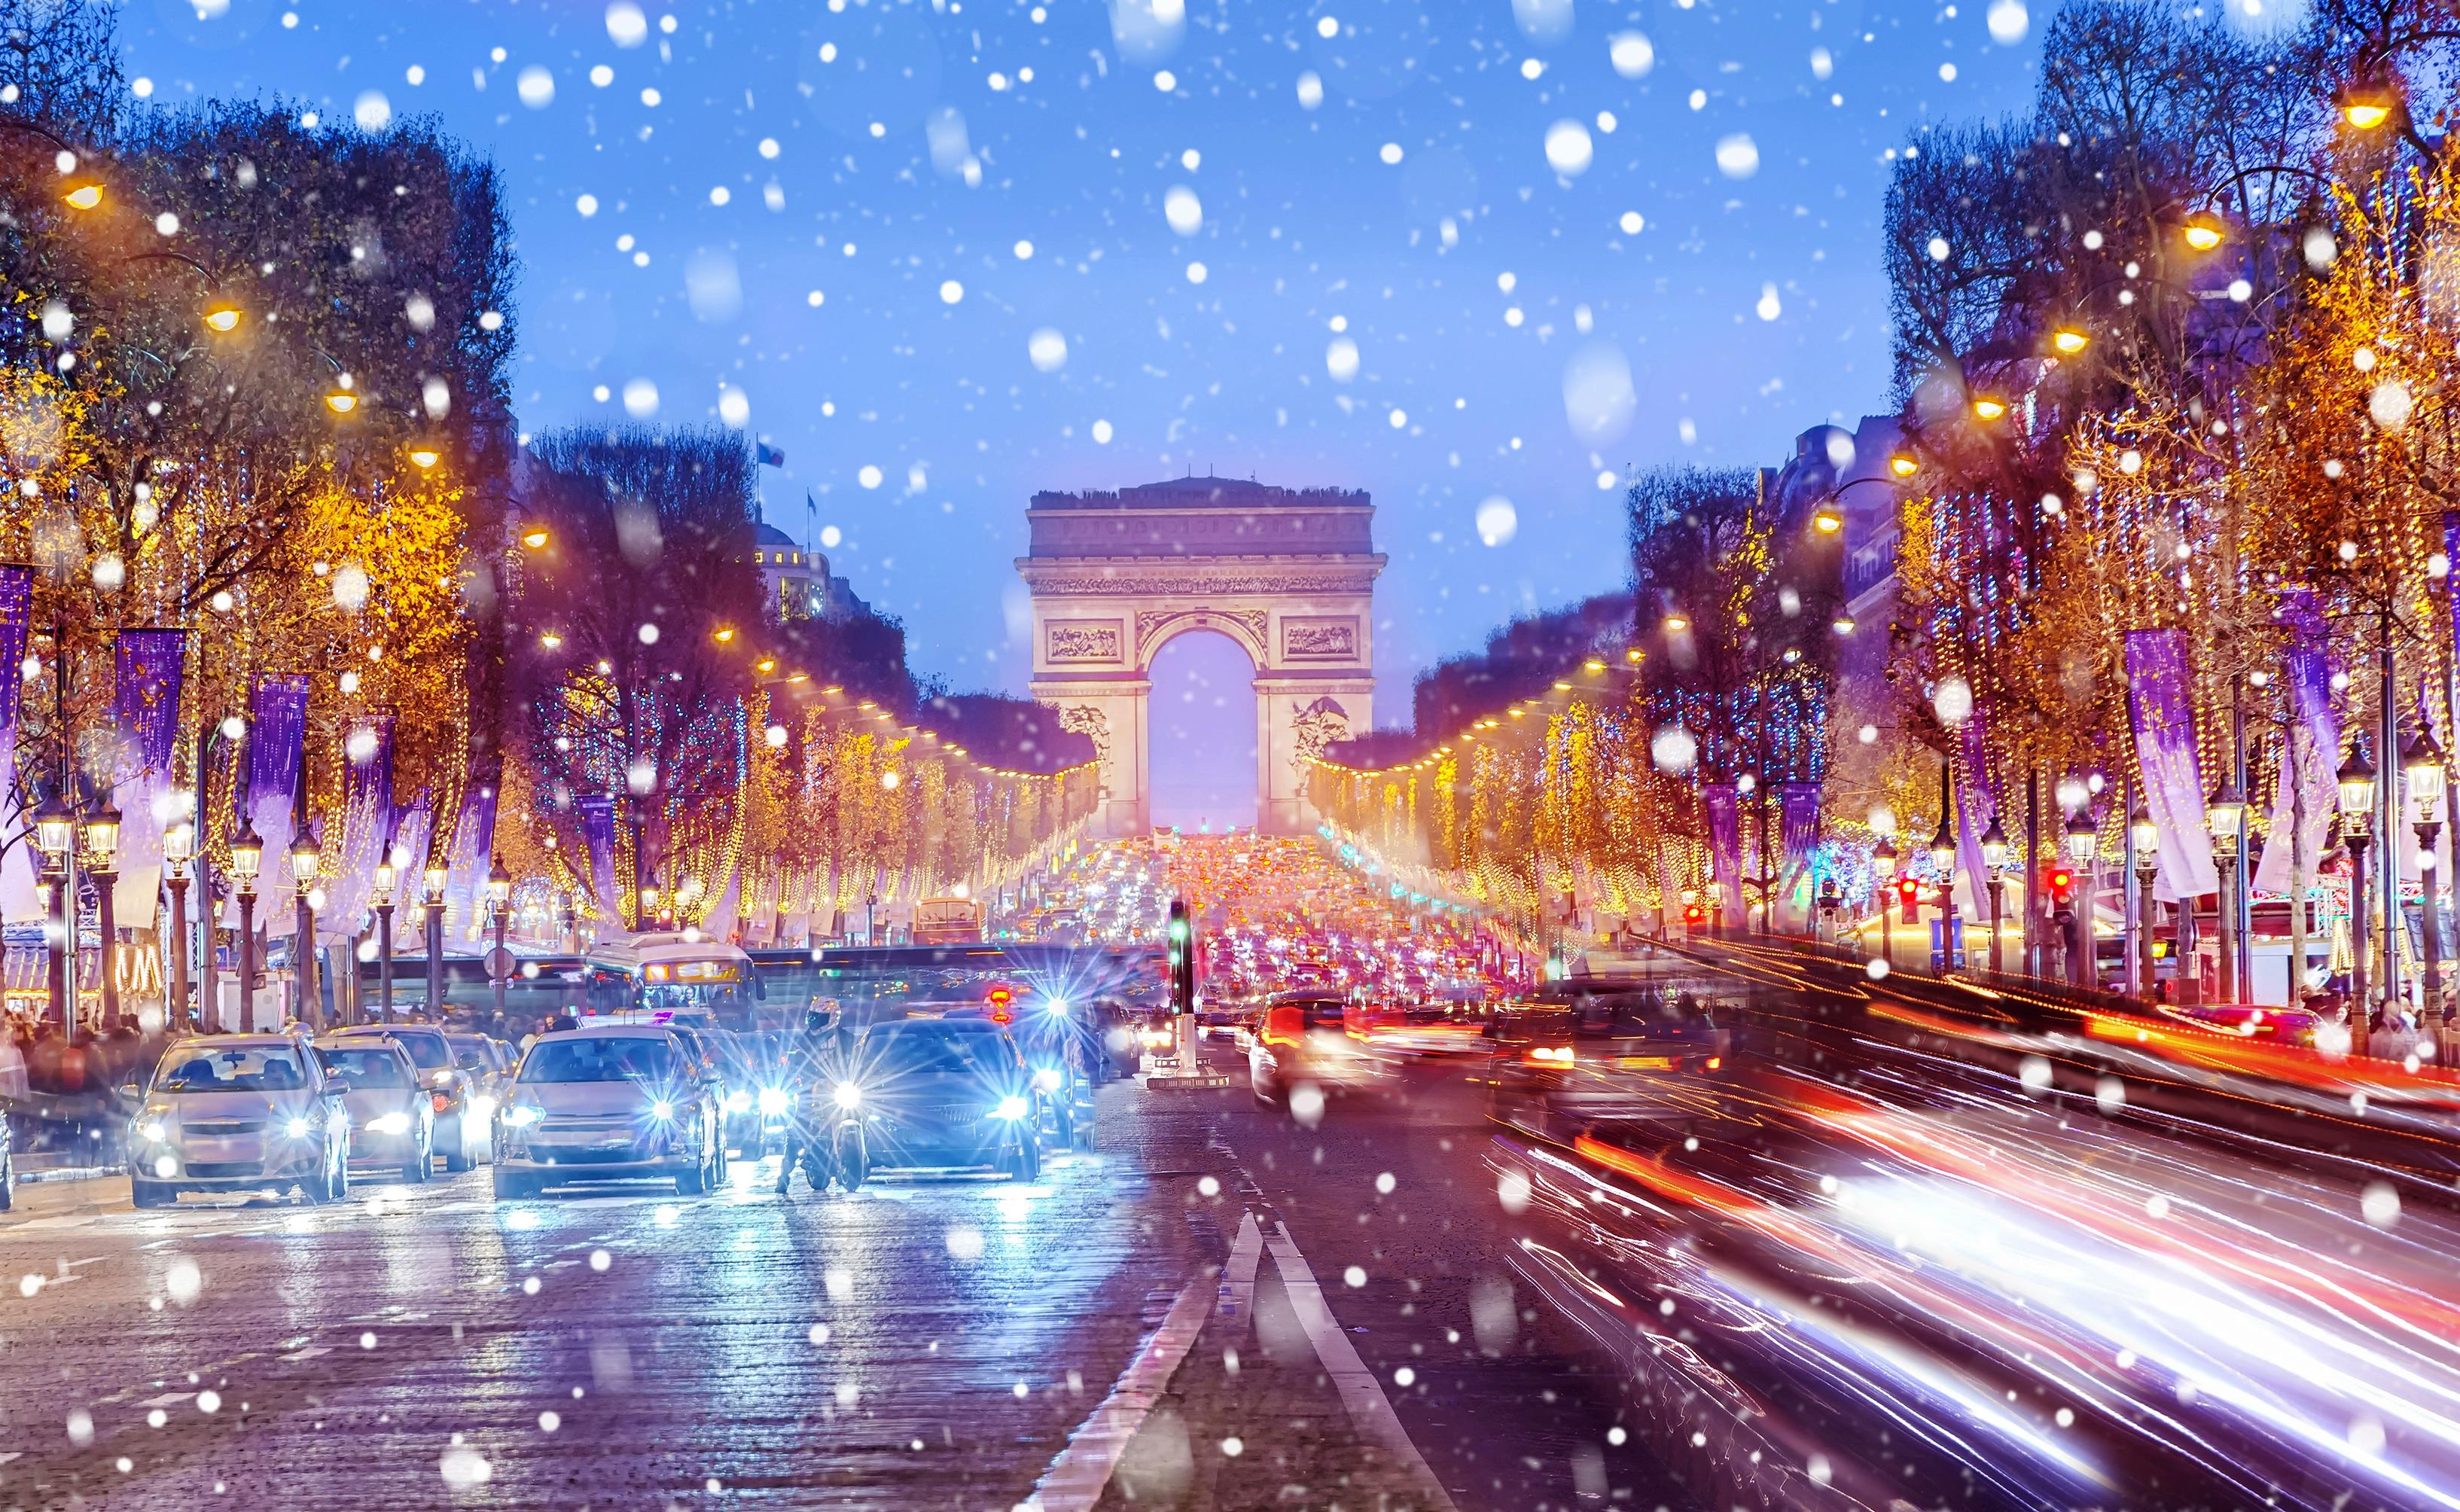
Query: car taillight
441, 1101
1550, 1055
1715, 1061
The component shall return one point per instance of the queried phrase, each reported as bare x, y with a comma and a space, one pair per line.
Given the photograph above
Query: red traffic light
2062, 883
1694, 914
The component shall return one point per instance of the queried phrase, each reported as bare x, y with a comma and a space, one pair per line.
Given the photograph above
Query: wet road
914, 1345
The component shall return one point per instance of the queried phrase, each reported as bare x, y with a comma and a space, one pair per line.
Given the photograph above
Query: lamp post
435, 879
388, 877
101, 827
1942, 858
2223, 812
1994, 856
2357, 795
56, 837
303, 864
499, 893
1883, 867
179, 849
2084, 851
2421, 764
246, 857
2146, 836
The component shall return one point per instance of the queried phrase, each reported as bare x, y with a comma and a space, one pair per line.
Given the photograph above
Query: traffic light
2062, 885
1182, 959
1909, 895
1694, 916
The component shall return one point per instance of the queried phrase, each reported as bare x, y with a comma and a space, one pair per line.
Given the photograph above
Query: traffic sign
500, 964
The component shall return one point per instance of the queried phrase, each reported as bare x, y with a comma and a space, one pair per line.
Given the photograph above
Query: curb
70, 1173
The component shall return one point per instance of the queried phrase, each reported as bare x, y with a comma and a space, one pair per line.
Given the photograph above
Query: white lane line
1359, 1390
166, 1399
1079, 1472
1236, 1301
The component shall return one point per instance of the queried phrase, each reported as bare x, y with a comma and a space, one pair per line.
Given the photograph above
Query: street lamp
2145, 836
246, 859
56, 837
2068, 341
2356, 781
2084, 853
179, 850
2422, 766
1903, 465
1883, 867
435, 879
1987, 407
84, 197
388, 877
2203, 233
102, 859
303, 864
1994, 857
500, 892
224, 318
2223, 812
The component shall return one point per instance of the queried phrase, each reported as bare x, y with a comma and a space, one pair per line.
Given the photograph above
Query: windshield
428, 1051
471, 1053
934, 1049
367, 1068
254, 1069
603, 1058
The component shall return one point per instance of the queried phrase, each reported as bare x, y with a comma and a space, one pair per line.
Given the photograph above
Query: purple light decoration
2164, 719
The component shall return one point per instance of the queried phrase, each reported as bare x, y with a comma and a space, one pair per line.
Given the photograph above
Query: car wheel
419, 1169
151, 1194
459, 1160
337, 1184
694, 1182
1026, 1164
513, 1185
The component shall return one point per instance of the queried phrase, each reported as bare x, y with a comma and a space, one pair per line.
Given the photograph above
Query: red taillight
441, 1101
1551, 1056
1715, 1061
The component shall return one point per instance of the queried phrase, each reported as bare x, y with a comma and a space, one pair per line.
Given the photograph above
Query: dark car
1579, 1056
943, 1093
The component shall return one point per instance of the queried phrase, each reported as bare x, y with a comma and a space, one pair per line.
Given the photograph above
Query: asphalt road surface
1093, 1338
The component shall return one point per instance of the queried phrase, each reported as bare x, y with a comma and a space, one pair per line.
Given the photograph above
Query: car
392, 1122
1580, 1055
1303, 1040
458, 1139
615, 1102
231, 1113
940, 1094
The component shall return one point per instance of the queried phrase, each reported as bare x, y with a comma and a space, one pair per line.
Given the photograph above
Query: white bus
665, 974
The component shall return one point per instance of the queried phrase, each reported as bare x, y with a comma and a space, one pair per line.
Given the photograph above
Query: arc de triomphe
1289, 574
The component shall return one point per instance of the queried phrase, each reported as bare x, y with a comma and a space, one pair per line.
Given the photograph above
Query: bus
949, 921
670, 974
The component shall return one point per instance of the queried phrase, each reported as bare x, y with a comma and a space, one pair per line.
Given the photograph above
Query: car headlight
662, 1109
482, 1108
738, 1101
1047, 1079
152, 1131
848, 1095
1058, 1006
296, 1128
773, 1100
1011, 1108
522, 1117
389, 1123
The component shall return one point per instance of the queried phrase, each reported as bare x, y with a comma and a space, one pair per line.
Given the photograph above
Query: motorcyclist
819, 1056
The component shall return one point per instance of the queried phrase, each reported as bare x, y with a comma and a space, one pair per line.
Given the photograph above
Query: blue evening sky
848, 222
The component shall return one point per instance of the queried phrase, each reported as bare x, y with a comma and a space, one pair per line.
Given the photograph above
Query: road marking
1359, 1392
166, 1399
1078, 1474
307, 1354
1236, 1301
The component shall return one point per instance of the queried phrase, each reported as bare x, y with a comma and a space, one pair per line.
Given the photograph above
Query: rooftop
1206, 493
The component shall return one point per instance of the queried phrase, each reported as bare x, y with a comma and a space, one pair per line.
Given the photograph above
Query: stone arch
1287, 574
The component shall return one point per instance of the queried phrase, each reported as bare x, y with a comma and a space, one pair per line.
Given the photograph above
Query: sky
1480, 257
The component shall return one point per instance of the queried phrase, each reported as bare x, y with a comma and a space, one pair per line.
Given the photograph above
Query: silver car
240, 1113
459, 1137
392, 1124
615, 1103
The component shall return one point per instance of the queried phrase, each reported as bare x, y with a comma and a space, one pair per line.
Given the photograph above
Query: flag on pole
770, 456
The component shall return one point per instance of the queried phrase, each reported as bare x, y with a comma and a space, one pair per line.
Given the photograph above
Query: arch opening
1202, 713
